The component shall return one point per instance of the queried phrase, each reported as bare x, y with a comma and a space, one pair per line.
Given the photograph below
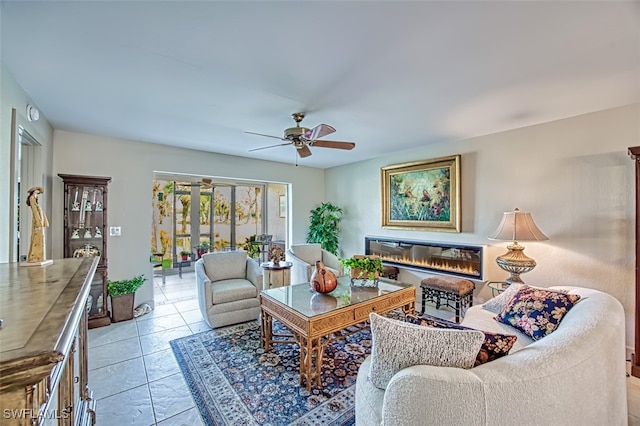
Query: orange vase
322, 279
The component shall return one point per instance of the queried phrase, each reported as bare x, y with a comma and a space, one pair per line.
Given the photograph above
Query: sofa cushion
226, 291
537, 312
225, 265
494, 346
498, 303
397, 345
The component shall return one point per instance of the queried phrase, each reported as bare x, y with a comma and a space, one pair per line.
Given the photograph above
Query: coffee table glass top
309, 303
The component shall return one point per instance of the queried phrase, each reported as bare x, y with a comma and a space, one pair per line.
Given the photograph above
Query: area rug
235, 382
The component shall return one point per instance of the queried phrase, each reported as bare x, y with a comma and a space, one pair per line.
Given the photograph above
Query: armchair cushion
225, 265
226, 291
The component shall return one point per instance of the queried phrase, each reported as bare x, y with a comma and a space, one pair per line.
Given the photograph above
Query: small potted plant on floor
364, 267
122, 297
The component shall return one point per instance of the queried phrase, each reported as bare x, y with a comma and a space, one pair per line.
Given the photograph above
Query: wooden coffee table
317, 319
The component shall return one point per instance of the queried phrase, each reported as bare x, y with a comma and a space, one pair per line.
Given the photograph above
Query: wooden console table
43, 343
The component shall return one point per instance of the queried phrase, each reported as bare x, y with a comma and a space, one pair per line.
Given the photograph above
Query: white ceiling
388, 75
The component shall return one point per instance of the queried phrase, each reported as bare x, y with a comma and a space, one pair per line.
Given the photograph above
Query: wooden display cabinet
85, 234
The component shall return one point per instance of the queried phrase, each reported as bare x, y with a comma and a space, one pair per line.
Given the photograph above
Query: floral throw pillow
494, 346
537, 312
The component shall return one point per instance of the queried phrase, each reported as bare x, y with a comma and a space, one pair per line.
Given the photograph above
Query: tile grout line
146, 375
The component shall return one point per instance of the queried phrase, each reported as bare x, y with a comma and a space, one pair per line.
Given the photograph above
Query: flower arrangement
276, 254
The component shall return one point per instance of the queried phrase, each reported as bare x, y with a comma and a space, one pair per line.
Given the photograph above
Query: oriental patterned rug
235, 382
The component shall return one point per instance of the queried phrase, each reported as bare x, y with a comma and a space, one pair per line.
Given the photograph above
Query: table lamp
516, 226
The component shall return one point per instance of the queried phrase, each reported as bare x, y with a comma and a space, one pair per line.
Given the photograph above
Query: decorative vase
322, 279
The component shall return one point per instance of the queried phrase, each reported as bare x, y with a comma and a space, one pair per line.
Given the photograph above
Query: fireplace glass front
447, 258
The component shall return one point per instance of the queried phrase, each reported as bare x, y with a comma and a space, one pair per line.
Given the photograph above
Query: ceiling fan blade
303, 151
333, 144
319, 131
270, 146
268, 136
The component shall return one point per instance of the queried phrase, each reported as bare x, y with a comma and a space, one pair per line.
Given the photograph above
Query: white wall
277, 226
131, 166
573, 175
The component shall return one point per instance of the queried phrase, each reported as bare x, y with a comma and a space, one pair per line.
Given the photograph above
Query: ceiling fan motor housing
294, 133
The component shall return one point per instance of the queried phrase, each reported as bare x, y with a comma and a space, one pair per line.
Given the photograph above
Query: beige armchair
229, 284
304, 258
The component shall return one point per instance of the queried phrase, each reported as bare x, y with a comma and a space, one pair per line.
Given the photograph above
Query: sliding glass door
225, 215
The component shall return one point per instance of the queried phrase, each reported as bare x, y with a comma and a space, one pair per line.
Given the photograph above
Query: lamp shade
517, 226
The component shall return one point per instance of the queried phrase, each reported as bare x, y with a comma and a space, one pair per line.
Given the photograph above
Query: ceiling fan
204, 183
302, 138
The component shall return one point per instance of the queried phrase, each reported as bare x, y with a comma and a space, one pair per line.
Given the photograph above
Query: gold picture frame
422, 195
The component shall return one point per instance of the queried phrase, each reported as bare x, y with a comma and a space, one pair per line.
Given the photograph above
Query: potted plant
185, 255
122, 297
202, 248
253, 250
364, 267
323, 226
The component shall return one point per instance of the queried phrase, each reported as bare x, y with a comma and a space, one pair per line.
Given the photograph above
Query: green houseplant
202, 248
185, 254
253, 250
323, 226
122, 297
364, 267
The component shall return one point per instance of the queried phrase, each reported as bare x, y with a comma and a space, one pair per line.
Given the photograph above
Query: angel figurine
75, 234
98, 233
87, 233
87, 206
98, 206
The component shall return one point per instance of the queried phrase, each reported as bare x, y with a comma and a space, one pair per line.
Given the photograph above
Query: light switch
115, 231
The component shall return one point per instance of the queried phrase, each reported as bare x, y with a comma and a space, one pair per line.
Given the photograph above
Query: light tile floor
132, 371
136, 379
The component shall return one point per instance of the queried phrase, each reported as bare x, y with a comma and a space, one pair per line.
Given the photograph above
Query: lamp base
515, 262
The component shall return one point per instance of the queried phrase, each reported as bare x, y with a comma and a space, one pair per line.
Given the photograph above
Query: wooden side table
276, 275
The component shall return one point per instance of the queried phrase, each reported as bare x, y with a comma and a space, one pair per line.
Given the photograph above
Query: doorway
26, 171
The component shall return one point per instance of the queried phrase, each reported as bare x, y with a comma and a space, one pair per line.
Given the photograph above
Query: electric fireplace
447, 258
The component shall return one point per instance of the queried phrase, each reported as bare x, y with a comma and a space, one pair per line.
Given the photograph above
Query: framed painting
283, 206
422, 195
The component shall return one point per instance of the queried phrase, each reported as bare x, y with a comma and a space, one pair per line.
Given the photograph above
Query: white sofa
574, 376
